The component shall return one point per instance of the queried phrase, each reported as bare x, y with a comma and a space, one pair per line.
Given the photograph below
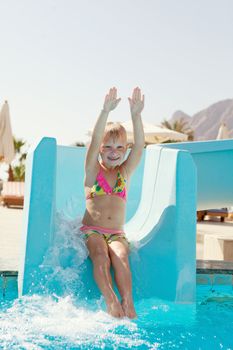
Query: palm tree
79, 144
180, 125
17, 173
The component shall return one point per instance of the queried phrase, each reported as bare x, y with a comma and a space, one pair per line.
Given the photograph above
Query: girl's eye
120, 147
107, 147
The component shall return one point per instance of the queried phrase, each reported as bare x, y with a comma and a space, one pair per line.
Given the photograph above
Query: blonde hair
114, 130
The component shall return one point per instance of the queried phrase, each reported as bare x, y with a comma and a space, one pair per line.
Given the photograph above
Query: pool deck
10, 233
11, 222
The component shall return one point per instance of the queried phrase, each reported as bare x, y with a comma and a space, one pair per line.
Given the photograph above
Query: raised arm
136, 107
110, 103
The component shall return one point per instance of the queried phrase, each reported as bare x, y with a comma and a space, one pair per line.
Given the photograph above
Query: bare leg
98, 250
119, 256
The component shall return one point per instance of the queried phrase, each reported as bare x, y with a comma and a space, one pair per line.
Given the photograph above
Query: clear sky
58, 59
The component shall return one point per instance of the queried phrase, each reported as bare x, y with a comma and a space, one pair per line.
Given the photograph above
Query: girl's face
112, 152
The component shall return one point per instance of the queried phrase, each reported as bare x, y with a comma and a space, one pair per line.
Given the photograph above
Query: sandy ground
11, 221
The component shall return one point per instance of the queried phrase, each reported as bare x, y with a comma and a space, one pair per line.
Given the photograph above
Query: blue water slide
161, 213
214, 164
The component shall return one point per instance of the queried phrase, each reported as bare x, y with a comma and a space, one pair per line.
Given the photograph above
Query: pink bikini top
101, 187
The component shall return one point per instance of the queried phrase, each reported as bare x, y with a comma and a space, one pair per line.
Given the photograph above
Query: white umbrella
154, 133
223, 132
7, 152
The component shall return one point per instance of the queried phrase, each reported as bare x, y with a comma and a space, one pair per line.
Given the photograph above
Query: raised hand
111, 100
136, 102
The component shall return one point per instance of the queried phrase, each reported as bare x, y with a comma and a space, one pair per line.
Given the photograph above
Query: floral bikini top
101, 187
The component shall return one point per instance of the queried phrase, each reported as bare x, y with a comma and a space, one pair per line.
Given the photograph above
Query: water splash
63, 261
39, 322
53, 322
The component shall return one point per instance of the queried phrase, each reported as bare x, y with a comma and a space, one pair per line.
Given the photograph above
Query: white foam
39, 321
65, 255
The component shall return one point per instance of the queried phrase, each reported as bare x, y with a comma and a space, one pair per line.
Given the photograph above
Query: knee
120, 255
101, 259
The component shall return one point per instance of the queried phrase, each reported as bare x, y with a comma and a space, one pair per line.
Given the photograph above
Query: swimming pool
53, 322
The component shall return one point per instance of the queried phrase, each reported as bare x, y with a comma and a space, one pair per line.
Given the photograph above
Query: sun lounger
13, 193
221, 213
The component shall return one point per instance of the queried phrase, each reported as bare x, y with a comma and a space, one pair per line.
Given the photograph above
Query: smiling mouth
113, 159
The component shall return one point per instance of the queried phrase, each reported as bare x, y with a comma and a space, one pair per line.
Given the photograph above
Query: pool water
52, 322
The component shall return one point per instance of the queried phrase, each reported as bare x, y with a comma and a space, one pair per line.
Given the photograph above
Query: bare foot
128, 308
114, 308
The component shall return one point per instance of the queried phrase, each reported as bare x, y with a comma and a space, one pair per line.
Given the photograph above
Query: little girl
106, 186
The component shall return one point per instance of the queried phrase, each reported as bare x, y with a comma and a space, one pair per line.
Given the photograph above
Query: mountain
206, 123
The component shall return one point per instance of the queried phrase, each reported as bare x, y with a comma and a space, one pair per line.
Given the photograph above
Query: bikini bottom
109, 235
